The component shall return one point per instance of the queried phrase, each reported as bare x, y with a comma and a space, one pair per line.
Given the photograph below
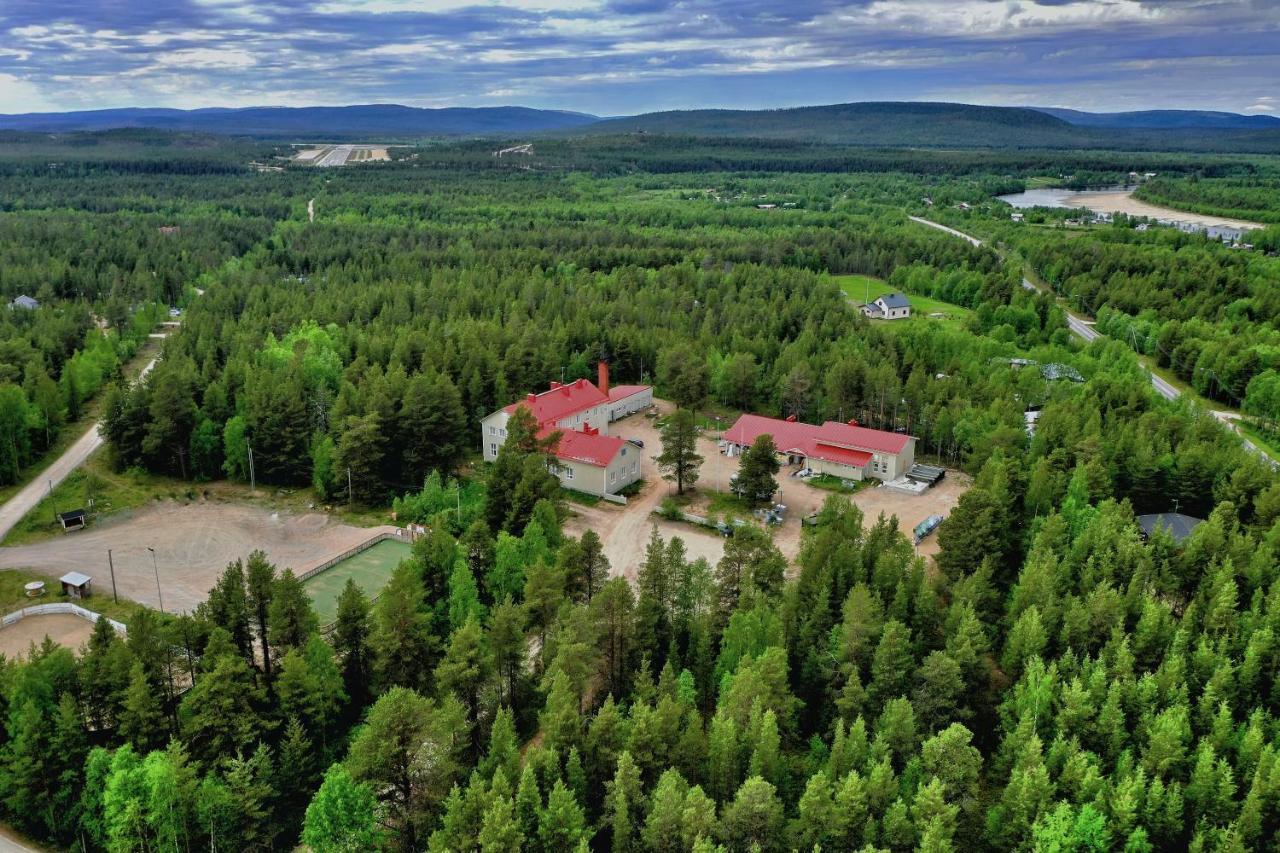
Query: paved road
16, 508
1084, 329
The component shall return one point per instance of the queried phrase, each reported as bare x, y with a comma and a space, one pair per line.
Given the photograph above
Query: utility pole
348, 485
253, 483
112, 566
55, 506
156, 569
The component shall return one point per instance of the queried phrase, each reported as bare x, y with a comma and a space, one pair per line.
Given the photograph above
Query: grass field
861, 288
370, 569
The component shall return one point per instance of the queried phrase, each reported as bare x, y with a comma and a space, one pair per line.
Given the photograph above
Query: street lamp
156, 569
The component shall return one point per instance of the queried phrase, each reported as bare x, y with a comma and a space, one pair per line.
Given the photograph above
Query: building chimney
791, 419
531, 399
603, 381
853, 422
554, 385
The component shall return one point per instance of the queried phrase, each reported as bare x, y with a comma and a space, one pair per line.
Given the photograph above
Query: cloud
613, 56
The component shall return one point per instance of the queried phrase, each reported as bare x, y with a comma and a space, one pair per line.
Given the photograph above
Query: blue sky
613, 57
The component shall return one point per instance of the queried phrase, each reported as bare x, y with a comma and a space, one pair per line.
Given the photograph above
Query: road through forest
1083, 328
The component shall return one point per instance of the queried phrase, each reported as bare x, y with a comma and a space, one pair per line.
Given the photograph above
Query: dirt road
193, 543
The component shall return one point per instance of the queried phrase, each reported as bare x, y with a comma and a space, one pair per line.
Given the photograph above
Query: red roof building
590, 459
843, 450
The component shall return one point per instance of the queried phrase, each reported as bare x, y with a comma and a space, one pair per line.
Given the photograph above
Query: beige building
588, 459
848, 451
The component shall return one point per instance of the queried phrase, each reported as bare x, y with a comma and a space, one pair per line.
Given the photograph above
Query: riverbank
1124, 202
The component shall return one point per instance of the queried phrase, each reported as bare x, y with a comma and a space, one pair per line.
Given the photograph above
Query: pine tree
466, 667
351, 632
401, 642
341, 817
292, 618
260, 583
142, 721
501, 832
679, 459
561, 825
754, 820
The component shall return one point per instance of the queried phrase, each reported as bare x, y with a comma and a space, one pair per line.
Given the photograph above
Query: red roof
831, 453
833, 440
591, 448
561, 401
621, 392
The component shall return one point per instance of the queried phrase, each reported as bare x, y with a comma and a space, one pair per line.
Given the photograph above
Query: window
613, 476
633, 467
624, 452
568, 472
493, 449
493, 430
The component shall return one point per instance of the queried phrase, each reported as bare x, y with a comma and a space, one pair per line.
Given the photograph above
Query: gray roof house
25, 302
890, 306
1177, 525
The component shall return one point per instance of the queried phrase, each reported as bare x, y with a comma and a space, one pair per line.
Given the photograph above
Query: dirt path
11, 842
193, 543
63, 628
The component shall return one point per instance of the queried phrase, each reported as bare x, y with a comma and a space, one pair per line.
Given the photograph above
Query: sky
616, 57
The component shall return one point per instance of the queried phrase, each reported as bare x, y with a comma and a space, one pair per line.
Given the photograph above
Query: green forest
1051, 680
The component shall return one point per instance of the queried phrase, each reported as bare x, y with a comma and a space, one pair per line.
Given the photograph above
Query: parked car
637, 442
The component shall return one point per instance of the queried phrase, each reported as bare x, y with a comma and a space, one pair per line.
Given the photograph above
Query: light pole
156, 569
253, 485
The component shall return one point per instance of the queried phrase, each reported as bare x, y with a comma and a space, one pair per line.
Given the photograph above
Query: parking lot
625, 529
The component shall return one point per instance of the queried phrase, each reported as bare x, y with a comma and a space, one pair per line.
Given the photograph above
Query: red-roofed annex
841, 450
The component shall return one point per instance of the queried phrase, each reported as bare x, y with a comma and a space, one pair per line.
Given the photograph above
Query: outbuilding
1175, 524
75, 584
74, 519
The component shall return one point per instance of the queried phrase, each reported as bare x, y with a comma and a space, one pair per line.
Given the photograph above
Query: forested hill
937, 125
1166, 119
329, 122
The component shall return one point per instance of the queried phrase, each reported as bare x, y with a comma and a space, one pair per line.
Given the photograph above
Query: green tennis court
370, 569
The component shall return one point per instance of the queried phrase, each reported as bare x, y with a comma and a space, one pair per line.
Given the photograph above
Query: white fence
60, 607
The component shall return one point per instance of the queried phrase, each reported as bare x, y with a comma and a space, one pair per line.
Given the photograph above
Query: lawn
1268, 442
14, 596
860, 288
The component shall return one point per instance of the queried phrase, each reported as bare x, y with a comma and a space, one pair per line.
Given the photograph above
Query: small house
890, 306
75, 584
25, 303
1177, 525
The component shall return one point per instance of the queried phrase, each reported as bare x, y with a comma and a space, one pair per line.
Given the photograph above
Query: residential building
588, 458
890, 306
25, 302
843, 450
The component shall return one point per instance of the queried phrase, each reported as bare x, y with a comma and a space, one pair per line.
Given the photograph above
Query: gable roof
25, 301
588, 447
833, 440
894, 300
560, 401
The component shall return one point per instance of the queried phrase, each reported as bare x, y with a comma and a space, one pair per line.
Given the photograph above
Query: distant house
26, 303
1017, 217
587, 458
1177, 525
1056, 370
890, 306
765, 206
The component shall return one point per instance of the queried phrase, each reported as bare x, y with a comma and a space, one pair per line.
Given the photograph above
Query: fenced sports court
370, 565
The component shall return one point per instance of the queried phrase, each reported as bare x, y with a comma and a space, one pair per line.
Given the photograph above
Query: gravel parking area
625, 530
193, 543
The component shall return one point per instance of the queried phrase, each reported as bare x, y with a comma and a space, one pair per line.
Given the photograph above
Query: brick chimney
853, 422
791, 419
603, 380
554, 385
531, 399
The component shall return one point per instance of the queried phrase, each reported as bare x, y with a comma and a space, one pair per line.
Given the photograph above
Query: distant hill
1165, 119
325, 122
938, 125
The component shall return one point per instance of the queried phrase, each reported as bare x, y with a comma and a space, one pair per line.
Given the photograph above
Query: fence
60, 607
350, 552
